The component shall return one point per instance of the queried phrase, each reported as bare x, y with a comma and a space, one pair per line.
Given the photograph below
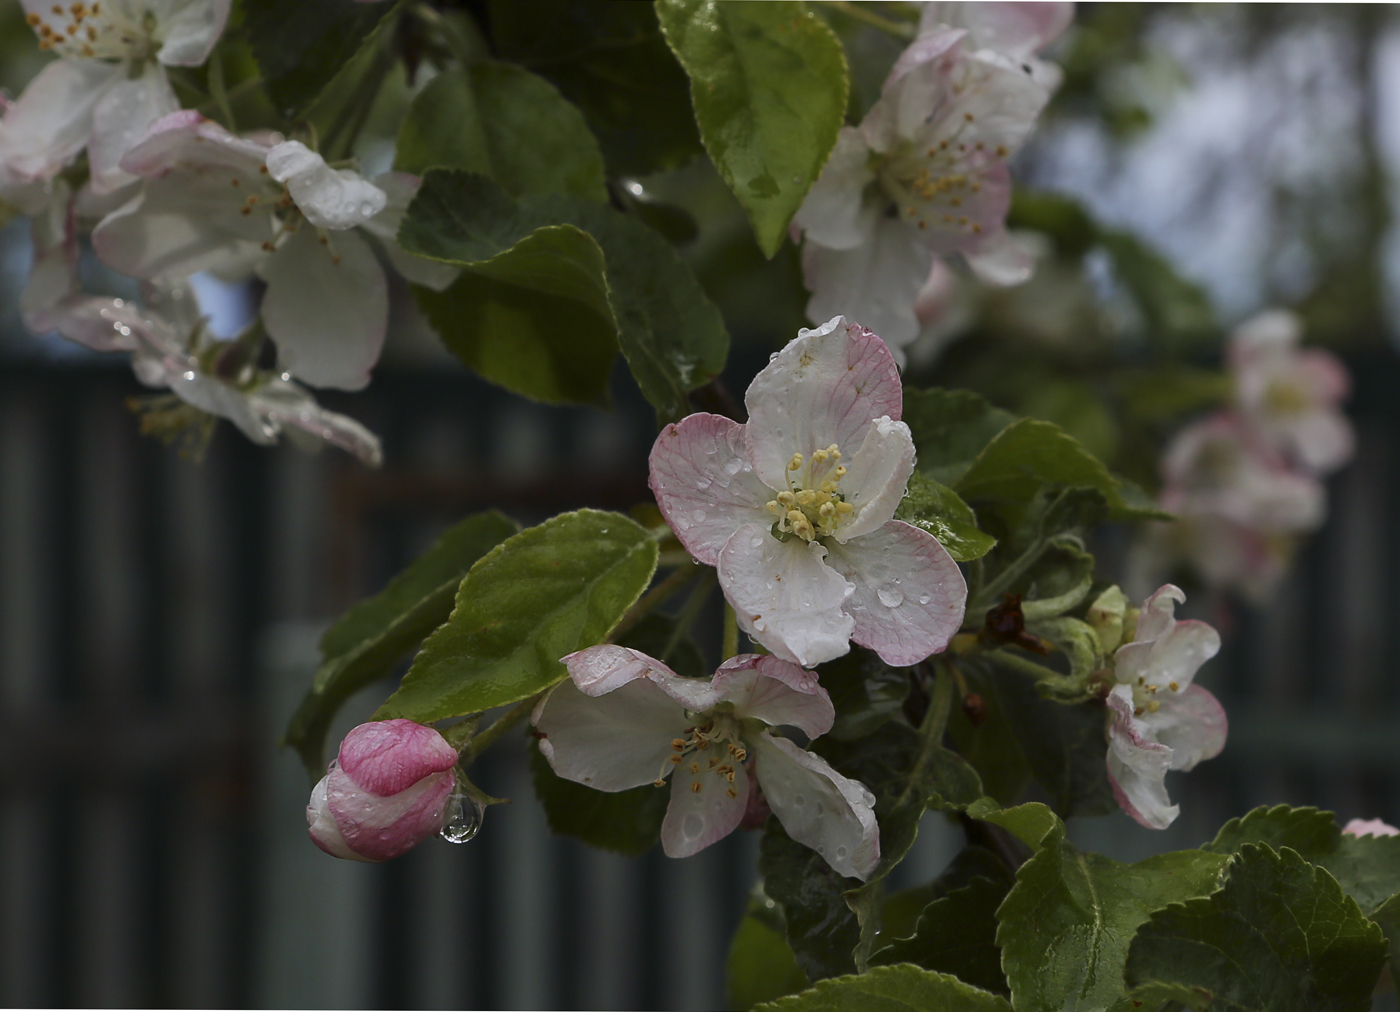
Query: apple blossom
623, 719
388, 791
1290, 395
1157, 719
795, 508
923, 175
108, 86
1369, 827
215, 201
1013, 31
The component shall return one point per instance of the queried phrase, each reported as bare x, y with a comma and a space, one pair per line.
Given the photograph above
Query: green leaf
300, 47
769, 86
1066, 925
938, 509
1169, 391
956, 934
670, 332
1367, 867
1064, 220
369, 639
1280, 936
865, 691
1059, 580
627, 822
534, 318
761, 966
822, 930
1029, 454
546, 592
1032, 823
505, 123
901, 988
950, 428
990, 745
610, 60
1177, 312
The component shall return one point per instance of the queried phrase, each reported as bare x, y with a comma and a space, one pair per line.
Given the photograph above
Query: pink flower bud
386, 792
1370, 827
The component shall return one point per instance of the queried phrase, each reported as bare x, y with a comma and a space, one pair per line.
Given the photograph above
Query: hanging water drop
464, 817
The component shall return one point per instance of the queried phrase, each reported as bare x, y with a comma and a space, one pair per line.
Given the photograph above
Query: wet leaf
950, 428
901, 988
761, 966
626, 822
938, 509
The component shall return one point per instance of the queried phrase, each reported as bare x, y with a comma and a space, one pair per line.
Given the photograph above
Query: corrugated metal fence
158, 622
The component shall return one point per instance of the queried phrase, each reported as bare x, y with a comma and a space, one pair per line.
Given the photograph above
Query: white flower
1013, 31
1291, 395
624, 719
108, 86
923, 175
795, 509
215, 201
1157, 719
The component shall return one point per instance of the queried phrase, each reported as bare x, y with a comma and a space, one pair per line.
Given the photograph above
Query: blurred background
159, 615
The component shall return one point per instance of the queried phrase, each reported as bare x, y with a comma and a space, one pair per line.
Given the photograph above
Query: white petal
1137, 767
1192, 723
1019, 30
612, 742
327, 317
186, 140
877, 477
399, 188
826, 386
909, 593
697, 818
1001, 260
51, 120
53, 278
121, 118
704, 483
189, 29
776, 692
818, 807
280, 403
832, 213
785, 597
323, 830
608, 667
330, 198
876, 283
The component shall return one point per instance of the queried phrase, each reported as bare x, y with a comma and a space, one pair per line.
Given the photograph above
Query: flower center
713, 747
930, 186
1148, 698
813, 505
80, 30
1285, 398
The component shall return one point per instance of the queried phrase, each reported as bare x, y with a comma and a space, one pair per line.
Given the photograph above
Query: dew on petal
890, 597
692, 826
841, 853
799, 800
924, 599
698, 516
733, 466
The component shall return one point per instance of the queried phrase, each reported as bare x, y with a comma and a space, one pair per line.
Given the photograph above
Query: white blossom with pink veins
923, 175
795, 509
1157, 719
233, 205
1291, 395
108, 85
624, 719
170, 346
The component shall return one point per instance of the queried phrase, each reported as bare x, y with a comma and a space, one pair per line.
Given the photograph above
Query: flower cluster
1244, 483
168, 194
925, 173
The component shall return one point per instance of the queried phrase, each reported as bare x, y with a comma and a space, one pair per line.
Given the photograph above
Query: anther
740, 754
696, 787
713, 762
678, 744
1153, 706
968, 116
1001, 150
658, 782
677, 759
694, 767
732, 793
795, 462
34, 20
1173, 686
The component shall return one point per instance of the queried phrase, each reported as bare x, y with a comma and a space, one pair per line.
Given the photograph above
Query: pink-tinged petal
827, 386
1137, 767
385, 757
877, 282
757, 812
877, 478
186, 140
607, 667
326, 307
1001, 260
776, 692
1324, 375
330, 198
614, 741
399, 188
323, 831
785, 597
1191, 723
121, 119
933, 55
378, 828
704, 483
818, 807
831, 214
909, 593
697, 818
189, 29
1369, 827
1322, 440
53, 278
282, 404
51, 121
1158, 613
1019, 30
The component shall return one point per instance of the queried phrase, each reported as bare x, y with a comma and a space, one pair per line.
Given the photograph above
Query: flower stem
1025, 665
686, 618
858, 13
504, 723
730, 645
658, 595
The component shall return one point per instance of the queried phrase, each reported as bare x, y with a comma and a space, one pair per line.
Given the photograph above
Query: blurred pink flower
1370, 827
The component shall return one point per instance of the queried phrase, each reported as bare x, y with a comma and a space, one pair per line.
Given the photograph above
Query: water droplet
692, 826
841, 852
698, 516
890, 597
924, 599
799, 800
464, 817
733, 466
